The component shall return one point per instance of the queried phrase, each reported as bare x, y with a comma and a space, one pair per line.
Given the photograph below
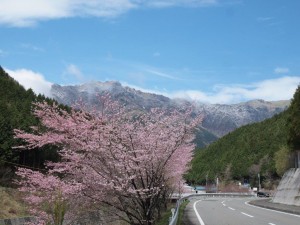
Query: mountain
219, 119
90, 92
135, 100
222, 119
243, 153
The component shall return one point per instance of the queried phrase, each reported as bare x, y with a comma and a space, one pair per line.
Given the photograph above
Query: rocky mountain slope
89, 93
218, 120
222, 119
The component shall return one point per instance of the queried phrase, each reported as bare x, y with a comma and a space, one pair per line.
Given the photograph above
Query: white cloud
281, 70
146, 70
156, 54
32, 47
27, 13
145, 89
30, 79
264, 19
160, 74
73, 70
24, 13
270, 90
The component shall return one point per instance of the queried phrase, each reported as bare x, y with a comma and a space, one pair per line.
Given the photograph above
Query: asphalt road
234, 211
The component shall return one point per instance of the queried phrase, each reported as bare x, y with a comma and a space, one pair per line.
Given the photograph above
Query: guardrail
16, 221
174, 219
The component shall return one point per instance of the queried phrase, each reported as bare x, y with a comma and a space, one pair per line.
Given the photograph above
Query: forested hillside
15, 113
242, 154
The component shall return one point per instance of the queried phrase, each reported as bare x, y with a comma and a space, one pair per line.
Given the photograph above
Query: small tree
49, 196
282, 160
111, 158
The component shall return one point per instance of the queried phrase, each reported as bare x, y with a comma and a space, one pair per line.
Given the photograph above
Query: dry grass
11, 205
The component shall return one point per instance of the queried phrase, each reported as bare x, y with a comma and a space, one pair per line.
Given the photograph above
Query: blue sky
216, 51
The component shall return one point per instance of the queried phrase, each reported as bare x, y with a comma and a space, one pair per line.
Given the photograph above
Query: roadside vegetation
11, 204
166, 214
181, 212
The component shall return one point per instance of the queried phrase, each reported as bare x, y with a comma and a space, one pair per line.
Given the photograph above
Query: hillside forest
262, 149
16, 106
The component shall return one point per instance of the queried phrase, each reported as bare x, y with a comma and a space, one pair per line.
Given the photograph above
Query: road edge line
197, 214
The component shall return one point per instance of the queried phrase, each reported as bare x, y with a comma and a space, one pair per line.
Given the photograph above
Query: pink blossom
110, 158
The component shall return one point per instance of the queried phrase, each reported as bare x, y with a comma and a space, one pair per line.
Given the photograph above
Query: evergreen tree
16, 105
294, 122
282, 160
246, 151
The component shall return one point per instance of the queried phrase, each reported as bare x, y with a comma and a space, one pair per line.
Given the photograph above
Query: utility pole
259, 187
206, 182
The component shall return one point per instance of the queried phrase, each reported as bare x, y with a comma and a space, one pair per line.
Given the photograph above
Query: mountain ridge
219, 119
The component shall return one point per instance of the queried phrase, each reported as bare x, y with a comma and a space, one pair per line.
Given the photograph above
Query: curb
266, 203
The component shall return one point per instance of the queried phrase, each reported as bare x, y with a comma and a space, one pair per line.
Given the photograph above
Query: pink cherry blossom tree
129, 162
48, 195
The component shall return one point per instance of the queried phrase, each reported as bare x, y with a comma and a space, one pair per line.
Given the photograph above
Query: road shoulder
267, 203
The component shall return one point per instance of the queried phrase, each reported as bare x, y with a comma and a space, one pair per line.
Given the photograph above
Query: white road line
223, 204
231, 208
291, 214
197, 214
272, 224
247, 214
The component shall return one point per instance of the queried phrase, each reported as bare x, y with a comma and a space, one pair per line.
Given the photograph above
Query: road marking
272, 224
231, 208
197, 214
247, 214
291, 214
224, 205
